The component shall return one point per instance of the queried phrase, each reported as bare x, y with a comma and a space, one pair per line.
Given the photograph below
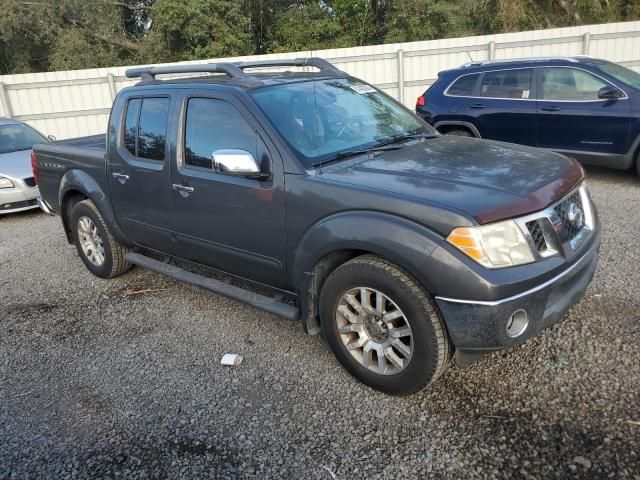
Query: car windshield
622, 74
321, 119
16, 136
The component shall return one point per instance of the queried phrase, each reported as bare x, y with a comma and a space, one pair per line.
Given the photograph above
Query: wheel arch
341, 237
77, 185
448, 125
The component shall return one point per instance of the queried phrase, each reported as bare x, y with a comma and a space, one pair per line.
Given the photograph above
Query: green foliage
38, 35
320, 29
414, 20
195, 29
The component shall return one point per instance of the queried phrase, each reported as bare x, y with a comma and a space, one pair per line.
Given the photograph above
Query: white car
18, 187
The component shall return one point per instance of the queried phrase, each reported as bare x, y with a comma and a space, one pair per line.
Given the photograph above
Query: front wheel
382, 326
100, 252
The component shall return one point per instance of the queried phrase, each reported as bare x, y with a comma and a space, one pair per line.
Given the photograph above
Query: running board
262, 302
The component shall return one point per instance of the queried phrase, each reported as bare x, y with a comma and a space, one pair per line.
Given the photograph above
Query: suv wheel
459, 132
382, 326
102, 255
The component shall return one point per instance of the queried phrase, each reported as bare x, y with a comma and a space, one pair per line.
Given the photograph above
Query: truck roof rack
477, 63
233, 70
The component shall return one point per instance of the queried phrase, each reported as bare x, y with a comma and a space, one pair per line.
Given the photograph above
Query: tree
413, 20
197, 29
320, 29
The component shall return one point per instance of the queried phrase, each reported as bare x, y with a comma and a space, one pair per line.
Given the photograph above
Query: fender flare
397, 239
458, 123
80, 181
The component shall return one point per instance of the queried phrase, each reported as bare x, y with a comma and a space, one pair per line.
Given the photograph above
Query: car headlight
6, 183
497, 245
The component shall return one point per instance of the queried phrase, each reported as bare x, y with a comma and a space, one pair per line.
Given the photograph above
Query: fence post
400, 60
491, 47
586, 41
6, 102
112, 85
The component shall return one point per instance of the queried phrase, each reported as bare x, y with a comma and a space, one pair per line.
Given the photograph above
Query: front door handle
551, 109
183, 189
121, 177
478, 105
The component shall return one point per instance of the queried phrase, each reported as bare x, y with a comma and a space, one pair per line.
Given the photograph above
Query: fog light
517, 323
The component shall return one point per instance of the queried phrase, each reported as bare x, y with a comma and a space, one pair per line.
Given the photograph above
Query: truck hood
486, 179
16, 164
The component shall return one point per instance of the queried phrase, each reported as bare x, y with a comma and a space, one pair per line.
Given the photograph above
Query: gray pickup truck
406, 248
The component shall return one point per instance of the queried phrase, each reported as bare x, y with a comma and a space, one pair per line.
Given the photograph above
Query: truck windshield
323, 118
15, 137
622, 74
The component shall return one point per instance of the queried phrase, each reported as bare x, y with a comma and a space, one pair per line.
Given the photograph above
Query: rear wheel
459, 132
382, 326
100, 252
638, 163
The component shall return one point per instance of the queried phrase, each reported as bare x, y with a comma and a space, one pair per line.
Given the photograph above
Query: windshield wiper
352, 153
406, 136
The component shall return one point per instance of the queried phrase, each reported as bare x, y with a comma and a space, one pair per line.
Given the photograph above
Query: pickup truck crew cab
406, 248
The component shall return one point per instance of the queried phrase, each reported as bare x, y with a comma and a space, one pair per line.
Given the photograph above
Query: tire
458, 132
638, 164
84, 216
428, 343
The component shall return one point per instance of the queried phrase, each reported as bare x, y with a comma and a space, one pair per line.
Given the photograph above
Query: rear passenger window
213, 125
145, 128
507, 84
463, 86
131, 125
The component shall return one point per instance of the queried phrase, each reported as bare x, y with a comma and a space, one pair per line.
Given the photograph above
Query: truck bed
56, 159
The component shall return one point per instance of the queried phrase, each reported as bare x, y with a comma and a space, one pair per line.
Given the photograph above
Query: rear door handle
478, 105
183, 189
551, 109
121, 177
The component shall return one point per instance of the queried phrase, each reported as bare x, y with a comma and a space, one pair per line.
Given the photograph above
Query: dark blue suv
581, 106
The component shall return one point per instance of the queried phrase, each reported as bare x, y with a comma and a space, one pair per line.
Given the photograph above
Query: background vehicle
18, 189
399, 243
581, 106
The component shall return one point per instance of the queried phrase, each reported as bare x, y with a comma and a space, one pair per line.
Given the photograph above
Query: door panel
504, 108
572, 117
139, 176
231, 223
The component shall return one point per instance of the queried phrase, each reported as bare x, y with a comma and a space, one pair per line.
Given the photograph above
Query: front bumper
480, 327
18, 199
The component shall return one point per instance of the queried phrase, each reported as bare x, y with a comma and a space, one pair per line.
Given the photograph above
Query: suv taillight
420, 102
34, 167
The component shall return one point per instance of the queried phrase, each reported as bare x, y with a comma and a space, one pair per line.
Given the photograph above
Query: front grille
30, 182
562, 209
535, 229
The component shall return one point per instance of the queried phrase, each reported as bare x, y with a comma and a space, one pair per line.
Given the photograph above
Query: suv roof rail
574, 58
233, 70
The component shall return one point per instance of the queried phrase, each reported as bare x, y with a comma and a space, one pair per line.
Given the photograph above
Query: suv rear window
463, 86
507, 84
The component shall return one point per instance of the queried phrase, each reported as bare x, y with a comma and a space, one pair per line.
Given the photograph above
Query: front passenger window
570, 84
214, 125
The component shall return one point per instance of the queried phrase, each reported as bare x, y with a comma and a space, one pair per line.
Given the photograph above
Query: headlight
6, 183
497, 245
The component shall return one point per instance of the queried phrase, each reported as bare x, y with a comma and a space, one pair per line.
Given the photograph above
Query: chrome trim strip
534, 80
519, 295
44, 207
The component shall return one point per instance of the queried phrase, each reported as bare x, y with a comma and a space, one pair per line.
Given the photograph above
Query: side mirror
51, 138
609, 92
236, 162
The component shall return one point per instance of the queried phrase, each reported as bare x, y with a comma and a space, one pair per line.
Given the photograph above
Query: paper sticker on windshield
525, 94
362, 89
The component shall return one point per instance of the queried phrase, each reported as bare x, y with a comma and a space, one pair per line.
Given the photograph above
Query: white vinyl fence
77, 103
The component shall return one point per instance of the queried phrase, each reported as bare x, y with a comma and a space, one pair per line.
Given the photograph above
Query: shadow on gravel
566, 450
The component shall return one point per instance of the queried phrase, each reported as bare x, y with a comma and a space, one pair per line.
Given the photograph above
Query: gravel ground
98, 383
